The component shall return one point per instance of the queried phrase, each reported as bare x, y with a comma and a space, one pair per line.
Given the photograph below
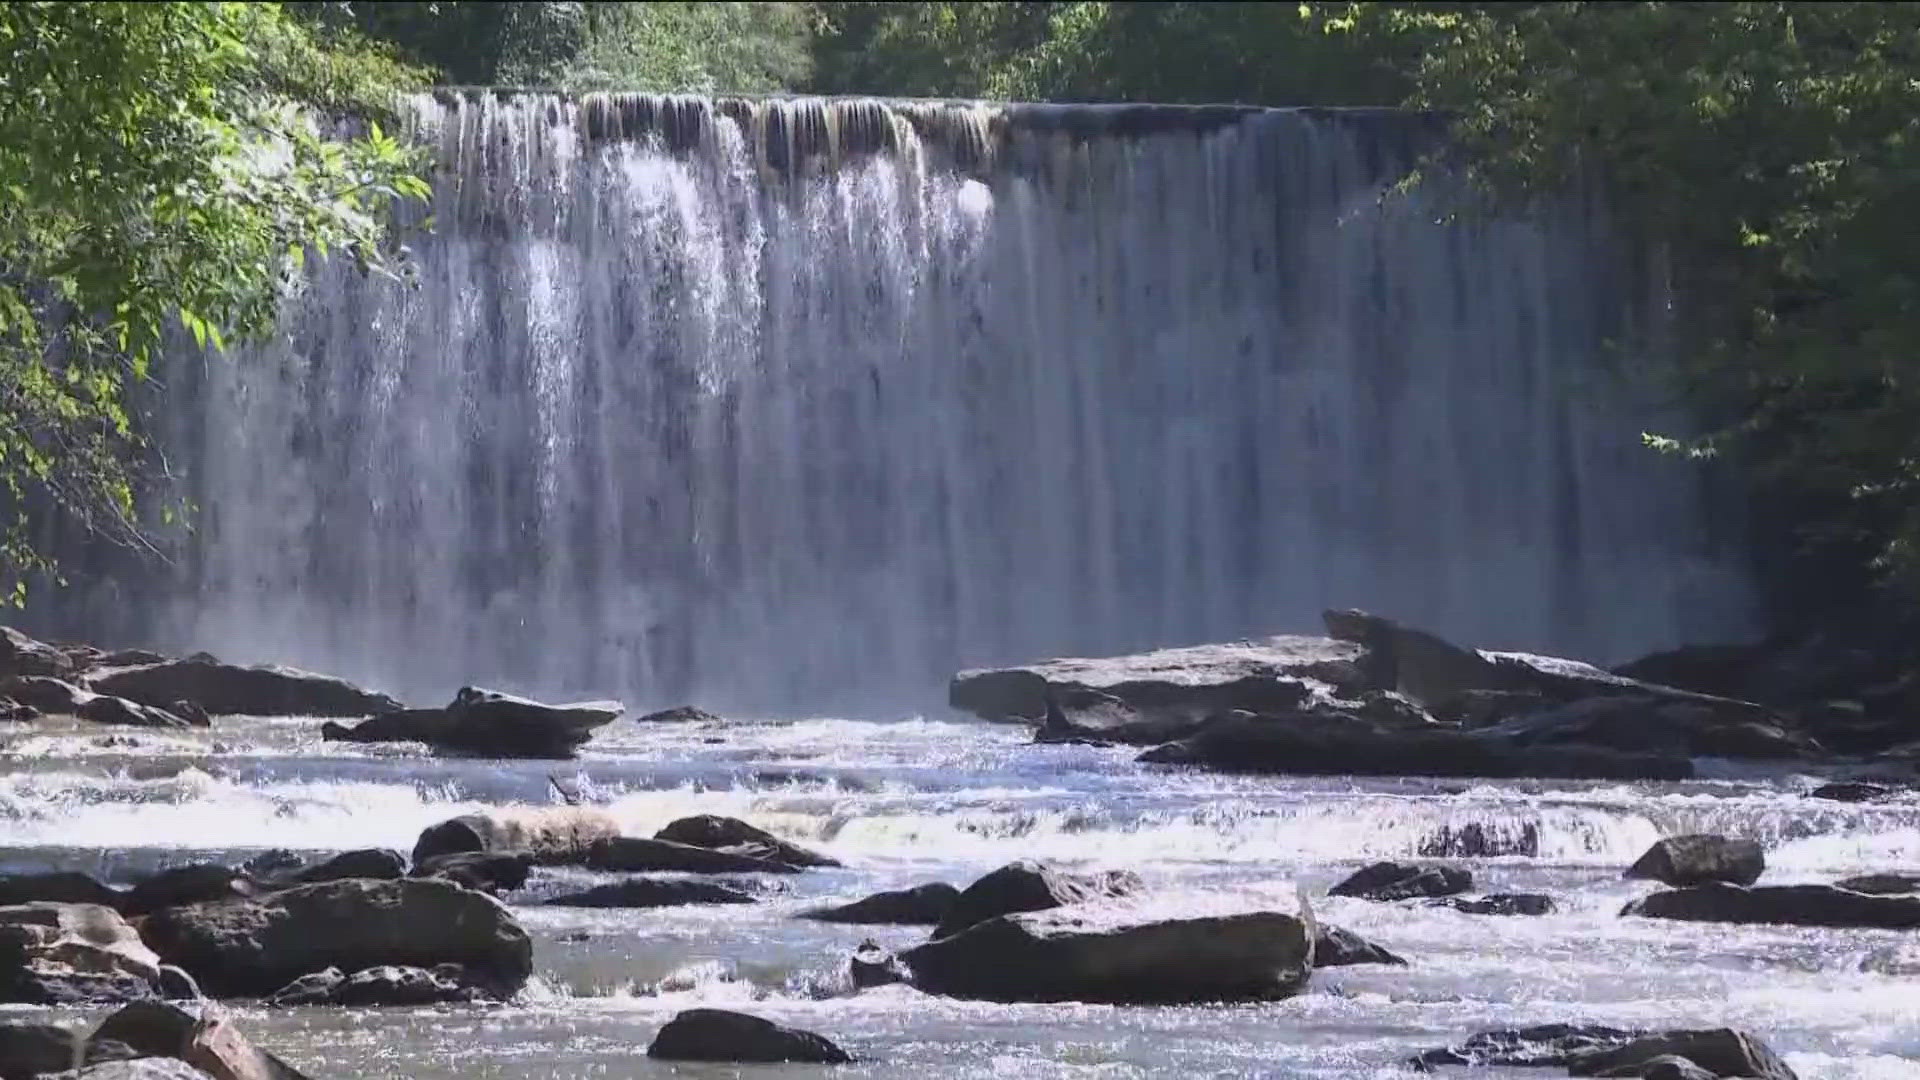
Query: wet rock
192, 712
1540, 1046
1701, 858
174, 984
1335, 947
1853, 791
719, 1035
143, 1068
275, 862
639, 855
733, 835
265, 690
1723, 670
12, 711
29, 1049
1717, 1052
57, 887
52, 954
922, 905
1108, 954
378, 987
255, 947
180, 885
45, 693
1484, 708
128, 658
1788, 905
483, 871
1335, 744
1390, 707
680, 714
1477, 841
1499, 904
1095, 718
1389, 881
872, 966
1881, 884
372, 863
1666, 1067
104, 709
1633, 721
1026, 885
651, 893
202, 1036
1169, 686
23, 655
489, 723
550, 836
50, 695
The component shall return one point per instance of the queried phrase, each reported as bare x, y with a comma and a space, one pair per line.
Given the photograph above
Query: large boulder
1337, 744
1031, 886
1641, 721
200, 1035
30, 1049
719, 1035
372, 863
57, 887
732, 834
264, 690
50, 695
1539, 1046
489, 723
651, 893
1714, 1052
1498, 904
1881, 884
491, 872
56, 954
252, 948
1854, 791
23, 655
1389, 881
642, 855
195, 883
1111, 954
1787, 905
922, 905
550, 836
1700, 858
1168, 686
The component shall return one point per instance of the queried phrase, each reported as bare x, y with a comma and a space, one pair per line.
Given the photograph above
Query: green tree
159, 174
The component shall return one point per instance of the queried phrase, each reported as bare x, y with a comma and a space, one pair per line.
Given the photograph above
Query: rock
22, 655
489, 723
1717, 1052
378, 987
1668, 1067
202, 1036
871, 966
1169, 686
718, 1035
46, 693
13, 712
175, 984
638, 855
1881, 884
1853, 791
181, 885
922, 905
255, 947
1723, 670
1477, 841
1788, 905
651, 893
1334, 744
1108, 954
1389, 881
29, 1049
1484, 708
1095, 718
1635, 721
1335, 947
551, 836
129, 658
191, 712
146, 1068
104, 709
58, 954
681, 714
1540, 1046
1499, 904
50, 695
1696, 859
57, 887
264, 690
378, 864
482, 871
1026, 885
274, 862
731, 834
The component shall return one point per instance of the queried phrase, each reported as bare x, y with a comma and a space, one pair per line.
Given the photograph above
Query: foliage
154, 174
1773, 150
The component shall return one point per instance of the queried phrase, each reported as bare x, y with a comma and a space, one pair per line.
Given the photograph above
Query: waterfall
799, 404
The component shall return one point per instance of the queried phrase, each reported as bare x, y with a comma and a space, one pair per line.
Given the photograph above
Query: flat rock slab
652, 893
1389, 881
488, 723
1785, 905
719, 1035
1110, 954
641, 855
263, 690
922, 905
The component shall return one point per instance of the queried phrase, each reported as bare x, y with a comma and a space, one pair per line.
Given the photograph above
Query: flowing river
922, 799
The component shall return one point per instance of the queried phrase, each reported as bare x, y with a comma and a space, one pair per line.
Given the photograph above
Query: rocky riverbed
1508, 901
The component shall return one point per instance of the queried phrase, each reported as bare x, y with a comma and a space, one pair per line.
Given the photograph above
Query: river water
924, 799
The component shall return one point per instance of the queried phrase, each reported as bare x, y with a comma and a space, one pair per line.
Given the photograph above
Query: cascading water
775, 403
